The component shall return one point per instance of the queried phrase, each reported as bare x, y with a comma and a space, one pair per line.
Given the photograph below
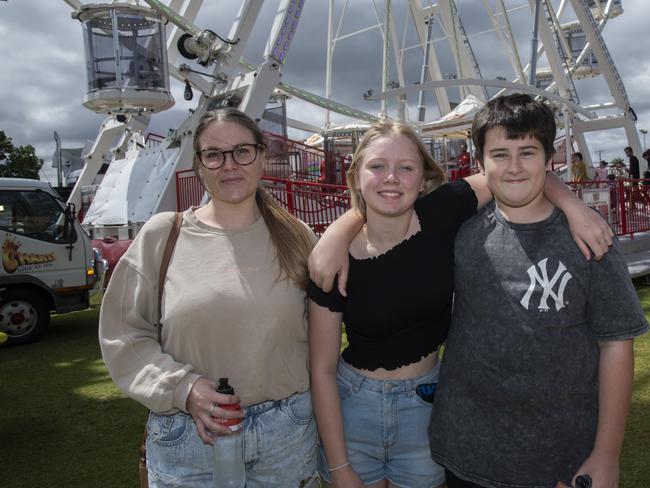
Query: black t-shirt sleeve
614, 311
451, 204
332, 300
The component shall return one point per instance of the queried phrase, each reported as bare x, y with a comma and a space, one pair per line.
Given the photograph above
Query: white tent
457, 123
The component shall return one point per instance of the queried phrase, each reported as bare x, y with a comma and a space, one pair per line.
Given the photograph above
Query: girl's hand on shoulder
325, 262
346, 478
330, 254
590, 231
203, 404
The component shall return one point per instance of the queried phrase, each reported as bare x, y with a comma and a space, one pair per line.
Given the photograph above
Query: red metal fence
189, 190
153, 140
318, 205
293, 160
625, 203
628, 205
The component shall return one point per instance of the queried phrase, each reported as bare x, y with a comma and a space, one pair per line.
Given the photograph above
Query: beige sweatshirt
225, 314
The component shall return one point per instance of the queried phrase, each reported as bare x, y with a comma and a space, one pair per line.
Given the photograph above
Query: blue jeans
280, 447
385, 425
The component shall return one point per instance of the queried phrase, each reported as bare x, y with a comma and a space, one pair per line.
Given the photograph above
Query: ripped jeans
280, 447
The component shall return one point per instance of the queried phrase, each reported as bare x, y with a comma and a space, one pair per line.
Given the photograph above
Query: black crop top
398, 307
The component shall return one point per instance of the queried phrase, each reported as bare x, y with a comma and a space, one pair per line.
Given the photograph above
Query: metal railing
153, 140
624, 202
189, 190
316, 204
293, 160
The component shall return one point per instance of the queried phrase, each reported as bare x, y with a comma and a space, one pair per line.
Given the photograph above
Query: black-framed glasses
242, 154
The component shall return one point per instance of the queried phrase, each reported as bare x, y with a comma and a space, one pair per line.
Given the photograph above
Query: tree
5, 146
18, 162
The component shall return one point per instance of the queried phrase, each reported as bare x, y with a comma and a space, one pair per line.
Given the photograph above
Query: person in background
633, 163
537, 374
578, 168
233, 306
601, 171
645, 185
463, 161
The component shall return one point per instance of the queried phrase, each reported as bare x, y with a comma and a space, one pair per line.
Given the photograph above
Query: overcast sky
43, 82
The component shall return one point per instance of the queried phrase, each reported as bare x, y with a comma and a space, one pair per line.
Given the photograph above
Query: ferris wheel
443, 53
478, 49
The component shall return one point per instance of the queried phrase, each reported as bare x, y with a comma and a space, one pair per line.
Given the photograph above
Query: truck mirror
68, 226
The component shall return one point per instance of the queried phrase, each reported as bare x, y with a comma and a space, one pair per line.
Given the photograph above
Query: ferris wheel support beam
384, 58
506, 38
579, 137
423, 73
604, 123
75, 4
519, 87
552, 55
399, 65
328, 59
94, 159
420, 15
459, 44
568, 145
587, 49
609, 71
533, 44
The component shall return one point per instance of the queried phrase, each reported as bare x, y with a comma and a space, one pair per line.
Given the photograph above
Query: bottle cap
234, 424
224, 387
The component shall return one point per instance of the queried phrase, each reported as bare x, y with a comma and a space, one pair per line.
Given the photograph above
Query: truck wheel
24, 316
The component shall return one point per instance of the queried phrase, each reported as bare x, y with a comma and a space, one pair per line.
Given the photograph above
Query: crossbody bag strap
167, 256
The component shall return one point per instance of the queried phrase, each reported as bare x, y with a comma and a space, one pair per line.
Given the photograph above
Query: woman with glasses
233, 306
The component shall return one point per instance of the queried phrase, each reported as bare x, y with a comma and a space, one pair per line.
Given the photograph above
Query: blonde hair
290, 237
434, 176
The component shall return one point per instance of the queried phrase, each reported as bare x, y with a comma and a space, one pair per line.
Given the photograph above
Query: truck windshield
34, 214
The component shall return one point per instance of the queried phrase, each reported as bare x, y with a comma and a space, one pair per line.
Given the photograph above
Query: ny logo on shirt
547, 286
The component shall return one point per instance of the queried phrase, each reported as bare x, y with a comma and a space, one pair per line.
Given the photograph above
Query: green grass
635, 468
64, 423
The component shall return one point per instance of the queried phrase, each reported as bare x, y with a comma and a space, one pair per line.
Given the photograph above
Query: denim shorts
280, 447
385, 425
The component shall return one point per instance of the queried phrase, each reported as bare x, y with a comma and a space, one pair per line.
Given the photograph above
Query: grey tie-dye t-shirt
517, 404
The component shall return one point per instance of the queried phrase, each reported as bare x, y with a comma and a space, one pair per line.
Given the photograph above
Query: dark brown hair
519, 116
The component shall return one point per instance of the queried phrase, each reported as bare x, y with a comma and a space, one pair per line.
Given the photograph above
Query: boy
634, 163
537, 372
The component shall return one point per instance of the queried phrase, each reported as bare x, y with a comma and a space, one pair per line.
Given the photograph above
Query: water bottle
229, 471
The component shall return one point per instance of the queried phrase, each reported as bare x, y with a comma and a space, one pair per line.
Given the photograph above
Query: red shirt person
463, 161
